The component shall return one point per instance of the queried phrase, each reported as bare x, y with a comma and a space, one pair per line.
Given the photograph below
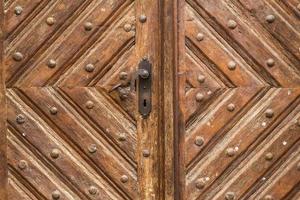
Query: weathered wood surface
225, 119
241, 107
72, 128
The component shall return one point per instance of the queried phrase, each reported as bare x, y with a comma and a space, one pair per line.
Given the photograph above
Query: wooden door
239, 110
73, 131
225, 118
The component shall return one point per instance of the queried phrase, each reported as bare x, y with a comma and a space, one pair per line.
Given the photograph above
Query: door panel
240, 101
73, 131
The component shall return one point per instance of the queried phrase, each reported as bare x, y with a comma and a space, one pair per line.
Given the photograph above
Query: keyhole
145, 103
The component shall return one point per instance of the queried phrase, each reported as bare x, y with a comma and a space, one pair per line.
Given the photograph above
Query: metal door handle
144, 88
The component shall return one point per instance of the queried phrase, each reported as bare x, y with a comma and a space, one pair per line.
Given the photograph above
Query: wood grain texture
241, 100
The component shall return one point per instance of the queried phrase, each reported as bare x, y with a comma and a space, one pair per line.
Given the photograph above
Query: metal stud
230, 152
199, 141
230, 107
93, 190
51, 63
200, 37
127, 27
53, 110
270, 18
200, 184
18, 10
201, 78
298, 166
88, 26
230, 196
123, 75
269, 156
124, 179
89, 105
270, 62
146, 153
199, 97
143, 18
55, 194
54, 153
123, 93
22, 164
269, 113
50, 21
18, 56
20, 119
122, 137
298, 122
231, 65
89, 68
268, 197
232, 24
92, 148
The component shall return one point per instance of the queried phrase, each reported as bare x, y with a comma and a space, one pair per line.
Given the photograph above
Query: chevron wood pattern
241, 104
71, 134
225, 119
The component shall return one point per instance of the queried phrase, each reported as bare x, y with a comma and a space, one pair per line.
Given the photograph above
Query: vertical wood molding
148, 45
3, 145
172, 58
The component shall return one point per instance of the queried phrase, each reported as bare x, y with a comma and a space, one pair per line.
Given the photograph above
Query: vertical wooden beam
173, 57
3, 146
148, 130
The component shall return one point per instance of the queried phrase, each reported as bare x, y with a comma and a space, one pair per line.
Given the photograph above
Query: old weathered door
225, 112
73, 131
239, 87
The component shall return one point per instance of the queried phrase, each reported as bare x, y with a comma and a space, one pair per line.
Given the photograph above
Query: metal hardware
144, 87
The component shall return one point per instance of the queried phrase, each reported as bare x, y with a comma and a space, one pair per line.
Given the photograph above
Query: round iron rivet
93, 190
18, 10
50, 21
201, 78
268, 197
231, 65
298, 166
232, 24
55, 194
124, 179
92, 148
18, 56
269, 156
269, 113
270, 62
298, 122
54, 153
200, 37
88, 26
122, 137
127, 27
20, 119
89, 68
270, 18
51, 63
230, 152
200, 183
199, 97
143, 18
146, 153
230, 107
230, 196
123, 75
199, 141
53, 110
22, 164
89, 105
